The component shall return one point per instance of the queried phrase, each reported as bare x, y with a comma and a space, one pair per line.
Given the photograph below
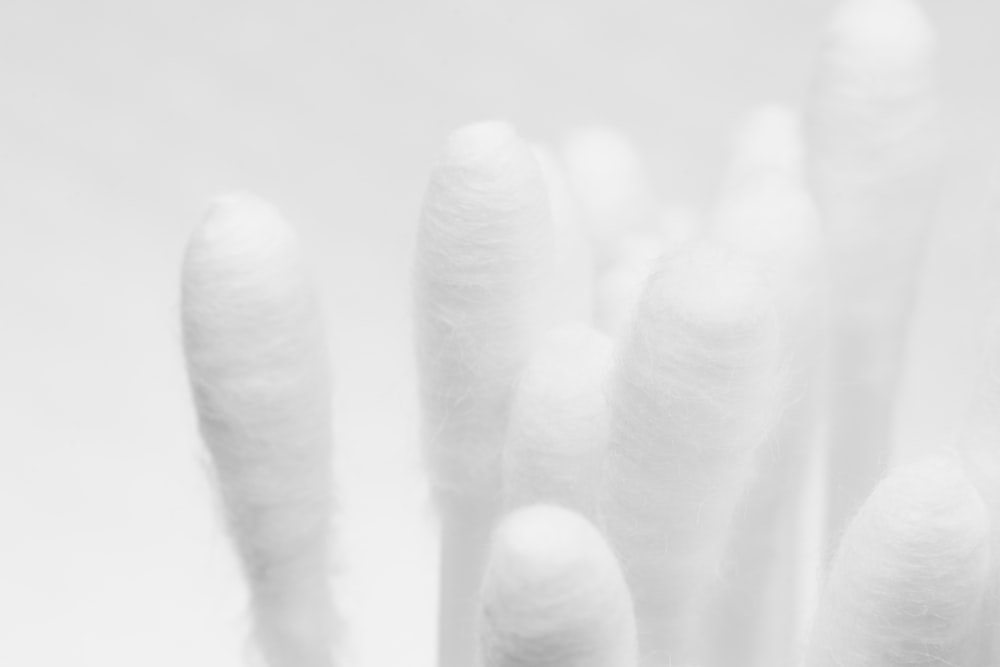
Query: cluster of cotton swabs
621, 409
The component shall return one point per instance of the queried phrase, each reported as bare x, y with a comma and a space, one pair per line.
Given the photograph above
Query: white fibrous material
483, 253
908, 579
873, 165
554, 595
696, 389
767, 214
482, 276
257, 360
558, 430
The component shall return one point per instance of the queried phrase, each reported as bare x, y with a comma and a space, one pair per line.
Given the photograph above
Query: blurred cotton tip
554, 595
559, 422
769, 140
874, 108
882, 38
610, 183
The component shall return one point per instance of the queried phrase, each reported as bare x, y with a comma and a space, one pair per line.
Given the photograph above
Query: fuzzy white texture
257, 359
483, 266
620, 284
558, 430
874, 89
572, 293
873, 136
554, 595
908, 579
873, 164
611, 184
483, 258
766, 213
979, 446
695, 391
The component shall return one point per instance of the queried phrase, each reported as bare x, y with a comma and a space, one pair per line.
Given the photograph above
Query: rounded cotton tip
554, 595
256, 353
708, 290
610, 182
558, 426
483, 263
908, 580
881, 36
241, 233
769, 140
482, 144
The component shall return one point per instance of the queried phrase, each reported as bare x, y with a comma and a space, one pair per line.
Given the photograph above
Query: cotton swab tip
554, 595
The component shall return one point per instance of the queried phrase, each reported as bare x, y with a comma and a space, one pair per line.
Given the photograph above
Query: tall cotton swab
873, 139
558, 430
257, 360
554, 595
483, 253
694, 393
908, 579
766, 213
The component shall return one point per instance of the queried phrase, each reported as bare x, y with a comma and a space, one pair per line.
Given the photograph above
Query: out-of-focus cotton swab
610, 183
572, 291
554, 595
694, 392
620, 284
873, 140
483, 253
558, 429
908, 579
766, 213
257, 360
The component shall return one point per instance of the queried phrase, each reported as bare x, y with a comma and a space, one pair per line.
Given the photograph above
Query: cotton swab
620, 284
257, 360
554, 595
572, 293
482, 262
610, 183
873, 139
766, 213
694, 392
557, 437
907, 582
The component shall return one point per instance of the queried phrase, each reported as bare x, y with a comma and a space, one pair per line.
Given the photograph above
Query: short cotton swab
908, 579
694, 392
873, 137
257, 360
557, 437
554, 595
483, 254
